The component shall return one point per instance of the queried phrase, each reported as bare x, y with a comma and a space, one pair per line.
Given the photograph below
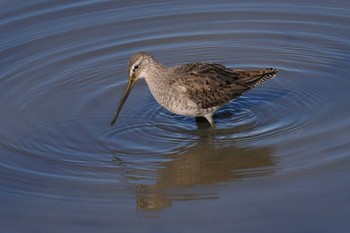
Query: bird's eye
136, 67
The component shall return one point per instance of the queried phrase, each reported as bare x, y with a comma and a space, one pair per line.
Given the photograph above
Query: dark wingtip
274, 71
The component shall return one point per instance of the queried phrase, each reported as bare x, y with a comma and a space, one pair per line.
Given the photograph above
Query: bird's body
195, 89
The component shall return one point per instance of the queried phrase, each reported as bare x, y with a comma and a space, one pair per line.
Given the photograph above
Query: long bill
127, 91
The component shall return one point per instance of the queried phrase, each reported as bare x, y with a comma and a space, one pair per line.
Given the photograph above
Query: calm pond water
279, 160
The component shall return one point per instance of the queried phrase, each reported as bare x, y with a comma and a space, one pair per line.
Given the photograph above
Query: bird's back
211, 85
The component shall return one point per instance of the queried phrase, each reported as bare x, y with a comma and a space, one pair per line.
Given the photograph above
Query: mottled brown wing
211, 85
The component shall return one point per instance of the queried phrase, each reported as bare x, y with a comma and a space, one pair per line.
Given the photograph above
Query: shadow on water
208, 162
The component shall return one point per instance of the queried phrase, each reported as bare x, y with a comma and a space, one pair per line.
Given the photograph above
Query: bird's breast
174, 98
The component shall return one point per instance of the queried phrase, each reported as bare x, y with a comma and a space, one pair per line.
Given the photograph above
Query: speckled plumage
195, 89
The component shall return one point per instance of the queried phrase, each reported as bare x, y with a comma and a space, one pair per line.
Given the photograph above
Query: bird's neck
158, 81
156, 77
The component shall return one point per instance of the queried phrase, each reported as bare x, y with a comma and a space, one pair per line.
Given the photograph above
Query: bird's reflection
192, 175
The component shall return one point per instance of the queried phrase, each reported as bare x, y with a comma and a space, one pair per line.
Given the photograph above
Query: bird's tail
252, 78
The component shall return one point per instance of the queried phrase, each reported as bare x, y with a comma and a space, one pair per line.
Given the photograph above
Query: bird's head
138, 65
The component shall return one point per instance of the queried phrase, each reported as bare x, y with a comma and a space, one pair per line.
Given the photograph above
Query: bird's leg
209, 118
212, 125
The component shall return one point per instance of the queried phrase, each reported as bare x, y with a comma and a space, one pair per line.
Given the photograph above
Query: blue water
278, 161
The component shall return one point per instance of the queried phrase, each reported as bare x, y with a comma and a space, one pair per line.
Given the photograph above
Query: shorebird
194, 89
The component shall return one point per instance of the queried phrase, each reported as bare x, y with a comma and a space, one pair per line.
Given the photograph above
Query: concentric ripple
63, 69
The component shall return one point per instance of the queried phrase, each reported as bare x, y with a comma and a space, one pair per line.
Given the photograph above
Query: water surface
278, 161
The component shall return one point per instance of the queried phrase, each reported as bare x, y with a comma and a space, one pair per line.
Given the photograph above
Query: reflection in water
206, 163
